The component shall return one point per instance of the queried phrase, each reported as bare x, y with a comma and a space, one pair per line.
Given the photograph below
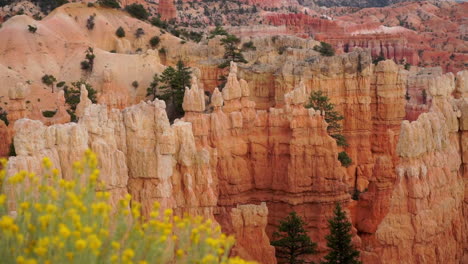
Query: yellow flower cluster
62, 221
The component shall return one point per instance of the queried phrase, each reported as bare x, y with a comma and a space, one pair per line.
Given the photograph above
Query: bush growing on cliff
339, 240
72, 221
120, 32
344, 159
11, 151
137, 11
319, 101
4, 116
49, 80
154, 41
32, 28
424, 96
90, 22
139, 32
88, 63
72, 96
325, 49
291, 241
109, 3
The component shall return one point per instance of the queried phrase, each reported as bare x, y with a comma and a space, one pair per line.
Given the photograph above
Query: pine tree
339, 240
292, 242
321, 102
231, 51
172, 91
152, 90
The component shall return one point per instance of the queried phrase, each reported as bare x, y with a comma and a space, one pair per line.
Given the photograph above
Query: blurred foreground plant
52, 220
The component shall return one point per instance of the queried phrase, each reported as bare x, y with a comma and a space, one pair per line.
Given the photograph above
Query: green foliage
282, 49
32, 28
378, 59
120, 32
90, 22
339, 240
12, 150
139, 32
137, 11
292, 242
174, 81
72, 96
248, 46
4, 116
49, 80
325, 49
162, 50
135, 84
157, 22
88, 63
152, 89
154, 41
218, 31
231, 51
407, 66
424, 96
357, 194
45, 5
49, 113
109, 3
344, 159
319, 101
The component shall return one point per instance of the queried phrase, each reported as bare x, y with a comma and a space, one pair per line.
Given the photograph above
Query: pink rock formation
426, 203
167, 9
111, 94
85, 102
390, 46
249, 223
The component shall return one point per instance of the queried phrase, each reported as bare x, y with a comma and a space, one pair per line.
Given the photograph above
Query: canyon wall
223, 161
425, 222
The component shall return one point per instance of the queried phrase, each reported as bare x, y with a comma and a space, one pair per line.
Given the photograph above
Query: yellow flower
94, 175
128, 254
44, 220
115, 245
50, 208
55, 172
179, 252
24, 206
64, 231
87, 229
31, 261
7, 222
94, 242
20, 238
209, 259
168, 212
80, 244
20, 260
2, 199
46, 163
40, 251
69, 255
